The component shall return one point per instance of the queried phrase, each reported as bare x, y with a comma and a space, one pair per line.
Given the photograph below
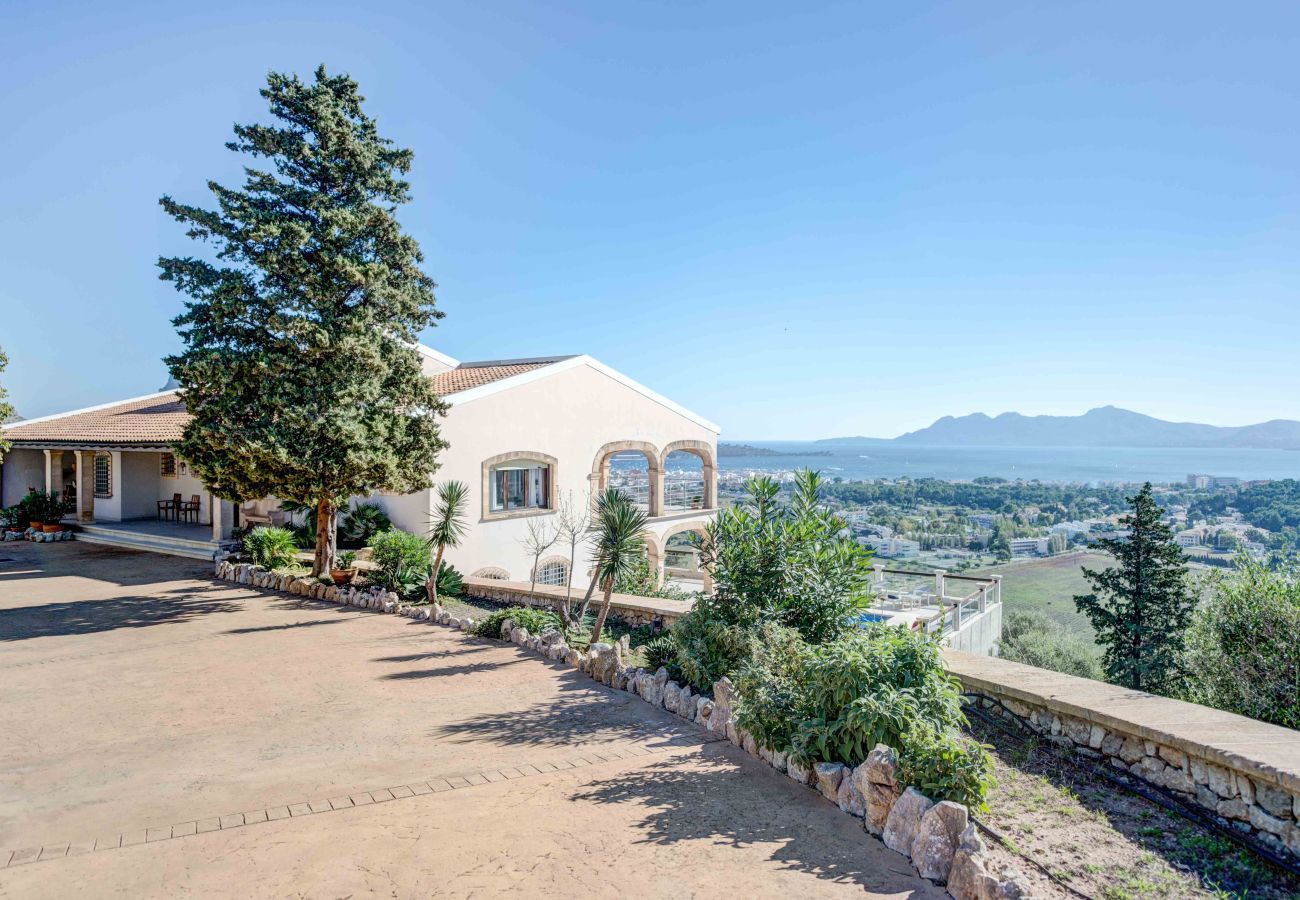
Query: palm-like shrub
619, 544
447, 527
271, 547
364, 521
535, 620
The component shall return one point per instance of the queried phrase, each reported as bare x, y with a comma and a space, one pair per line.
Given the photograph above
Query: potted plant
46, 509
346, 570
11, 518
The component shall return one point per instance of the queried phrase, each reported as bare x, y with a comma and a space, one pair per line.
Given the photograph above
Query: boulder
968, 879
602, 662
879, 776
466, 624
573, 657
798, 772
519, 635
507, 626
747, 742
829, 775
850, 797
672, 691
779, 760
703, 711
904, 821
453, 622
936, 843
686, 702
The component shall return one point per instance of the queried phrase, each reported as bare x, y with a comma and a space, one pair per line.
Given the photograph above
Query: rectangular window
526, 486
167, 465
103, 475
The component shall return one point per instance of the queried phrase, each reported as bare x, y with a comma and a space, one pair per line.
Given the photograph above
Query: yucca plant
447, 527
619, 545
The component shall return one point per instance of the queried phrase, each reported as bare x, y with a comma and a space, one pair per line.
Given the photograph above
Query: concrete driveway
163, 734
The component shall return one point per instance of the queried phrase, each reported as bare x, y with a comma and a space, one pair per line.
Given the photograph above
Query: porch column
49, 470
656, 500
710, 486
214, 508
85, 486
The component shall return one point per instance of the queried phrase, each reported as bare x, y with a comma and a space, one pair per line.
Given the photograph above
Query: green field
1048, 585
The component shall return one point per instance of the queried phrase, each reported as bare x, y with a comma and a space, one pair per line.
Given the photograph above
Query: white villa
525, 434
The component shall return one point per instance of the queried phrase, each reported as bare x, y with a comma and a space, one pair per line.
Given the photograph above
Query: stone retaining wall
938, 838
626, 608
1244, 772
40, 537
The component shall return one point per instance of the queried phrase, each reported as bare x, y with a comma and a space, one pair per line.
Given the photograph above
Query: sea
853, 461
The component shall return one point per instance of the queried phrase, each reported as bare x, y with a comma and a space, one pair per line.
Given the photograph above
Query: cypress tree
299, 366
1142, 607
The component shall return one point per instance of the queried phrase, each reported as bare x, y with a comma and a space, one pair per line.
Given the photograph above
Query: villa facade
525, 434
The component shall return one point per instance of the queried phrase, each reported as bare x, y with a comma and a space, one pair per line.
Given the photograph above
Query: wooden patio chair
190, 510
169, 509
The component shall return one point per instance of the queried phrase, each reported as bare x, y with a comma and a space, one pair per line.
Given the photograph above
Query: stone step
153, 543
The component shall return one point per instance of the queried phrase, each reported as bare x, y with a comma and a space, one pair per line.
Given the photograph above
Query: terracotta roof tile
160, 419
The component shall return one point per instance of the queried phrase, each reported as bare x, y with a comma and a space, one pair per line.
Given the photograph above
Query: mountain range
1106, 426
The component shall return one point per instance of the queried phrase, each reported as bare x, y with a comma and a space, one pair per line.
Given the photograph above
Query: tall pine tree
1141, 609
299, 367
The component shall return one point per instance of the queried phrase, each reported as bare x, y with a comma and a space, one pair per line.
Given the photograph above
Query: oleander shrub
402, 561
881, 685
535, 620
271, 547
712, 641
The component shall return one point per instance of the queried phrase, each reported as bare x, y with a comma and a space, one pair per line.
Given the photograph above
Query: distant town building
1028, 546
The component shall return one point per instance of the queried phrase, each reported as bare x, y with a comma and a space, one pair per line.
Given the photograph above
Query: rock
904, 821
1233, 809
798, 772
453, 622
881, 786
661, 677
969, 879
1175, 758
936, 843
1178, 780
722, 691
1264, 822
779, 760
850, 798
747, 742
1077, 730
573, 657
518, 636
829, 775
619, 681
686, 703
672, 692
602, 662
507, 627
703, 711
1131, 750
466, 624
1096, 737
1221, 781
1275, 801
550, 636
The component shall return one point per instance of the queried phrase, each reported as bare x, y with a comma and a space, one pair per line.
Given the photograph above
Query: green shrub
450, 582
271, 547
363, 521
835, 702
660, 651
640, 581
945, 765
1242, 654
535, 620
402, 561
712, 641
1035, 640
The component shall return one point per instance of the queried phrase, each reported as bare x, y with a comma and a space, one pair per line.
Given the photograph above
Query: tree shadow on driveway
717, 798
94, 616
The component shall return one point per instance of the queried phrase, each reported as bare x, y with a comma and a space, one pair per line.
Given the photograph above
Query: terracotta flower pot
52, 529
37, 526
342, 576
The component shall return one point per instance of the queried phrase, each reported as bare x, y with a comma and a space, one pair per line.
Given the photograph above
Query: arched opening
493, 572
684, 485
681, 559
633, 468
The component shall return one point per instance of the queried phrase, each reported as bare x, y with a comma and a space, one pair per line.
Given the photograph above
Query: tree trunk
432, 586
568, 584
586, 600
604, 611
326, 538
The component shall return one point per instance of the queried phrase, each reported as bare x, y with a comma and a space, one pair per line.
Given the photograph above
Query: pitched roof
159, 419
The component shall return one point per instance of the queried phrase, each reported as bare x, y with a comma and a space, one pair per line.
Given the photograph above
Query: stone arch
599, 477
704, 450
512, 456
697, 526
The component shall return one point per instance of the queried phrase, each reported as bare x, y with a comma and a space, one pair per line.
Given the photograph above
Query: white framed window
553, 572
492, 572
167, 465
523, 484
103, 475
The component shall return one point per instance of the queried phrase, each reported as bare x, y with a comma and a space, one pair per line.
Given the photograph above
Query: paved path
164, 734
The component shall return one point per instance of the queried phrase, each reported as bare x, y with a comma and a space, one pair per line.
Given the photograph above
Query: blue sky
800, 220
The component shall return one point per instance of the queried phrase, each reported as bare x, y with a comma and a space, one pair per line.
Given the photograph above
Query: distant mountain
1106, 426
726, 450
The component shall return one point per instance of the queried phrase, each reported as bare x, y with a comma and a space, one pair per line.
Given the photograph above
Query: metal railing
953, 599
